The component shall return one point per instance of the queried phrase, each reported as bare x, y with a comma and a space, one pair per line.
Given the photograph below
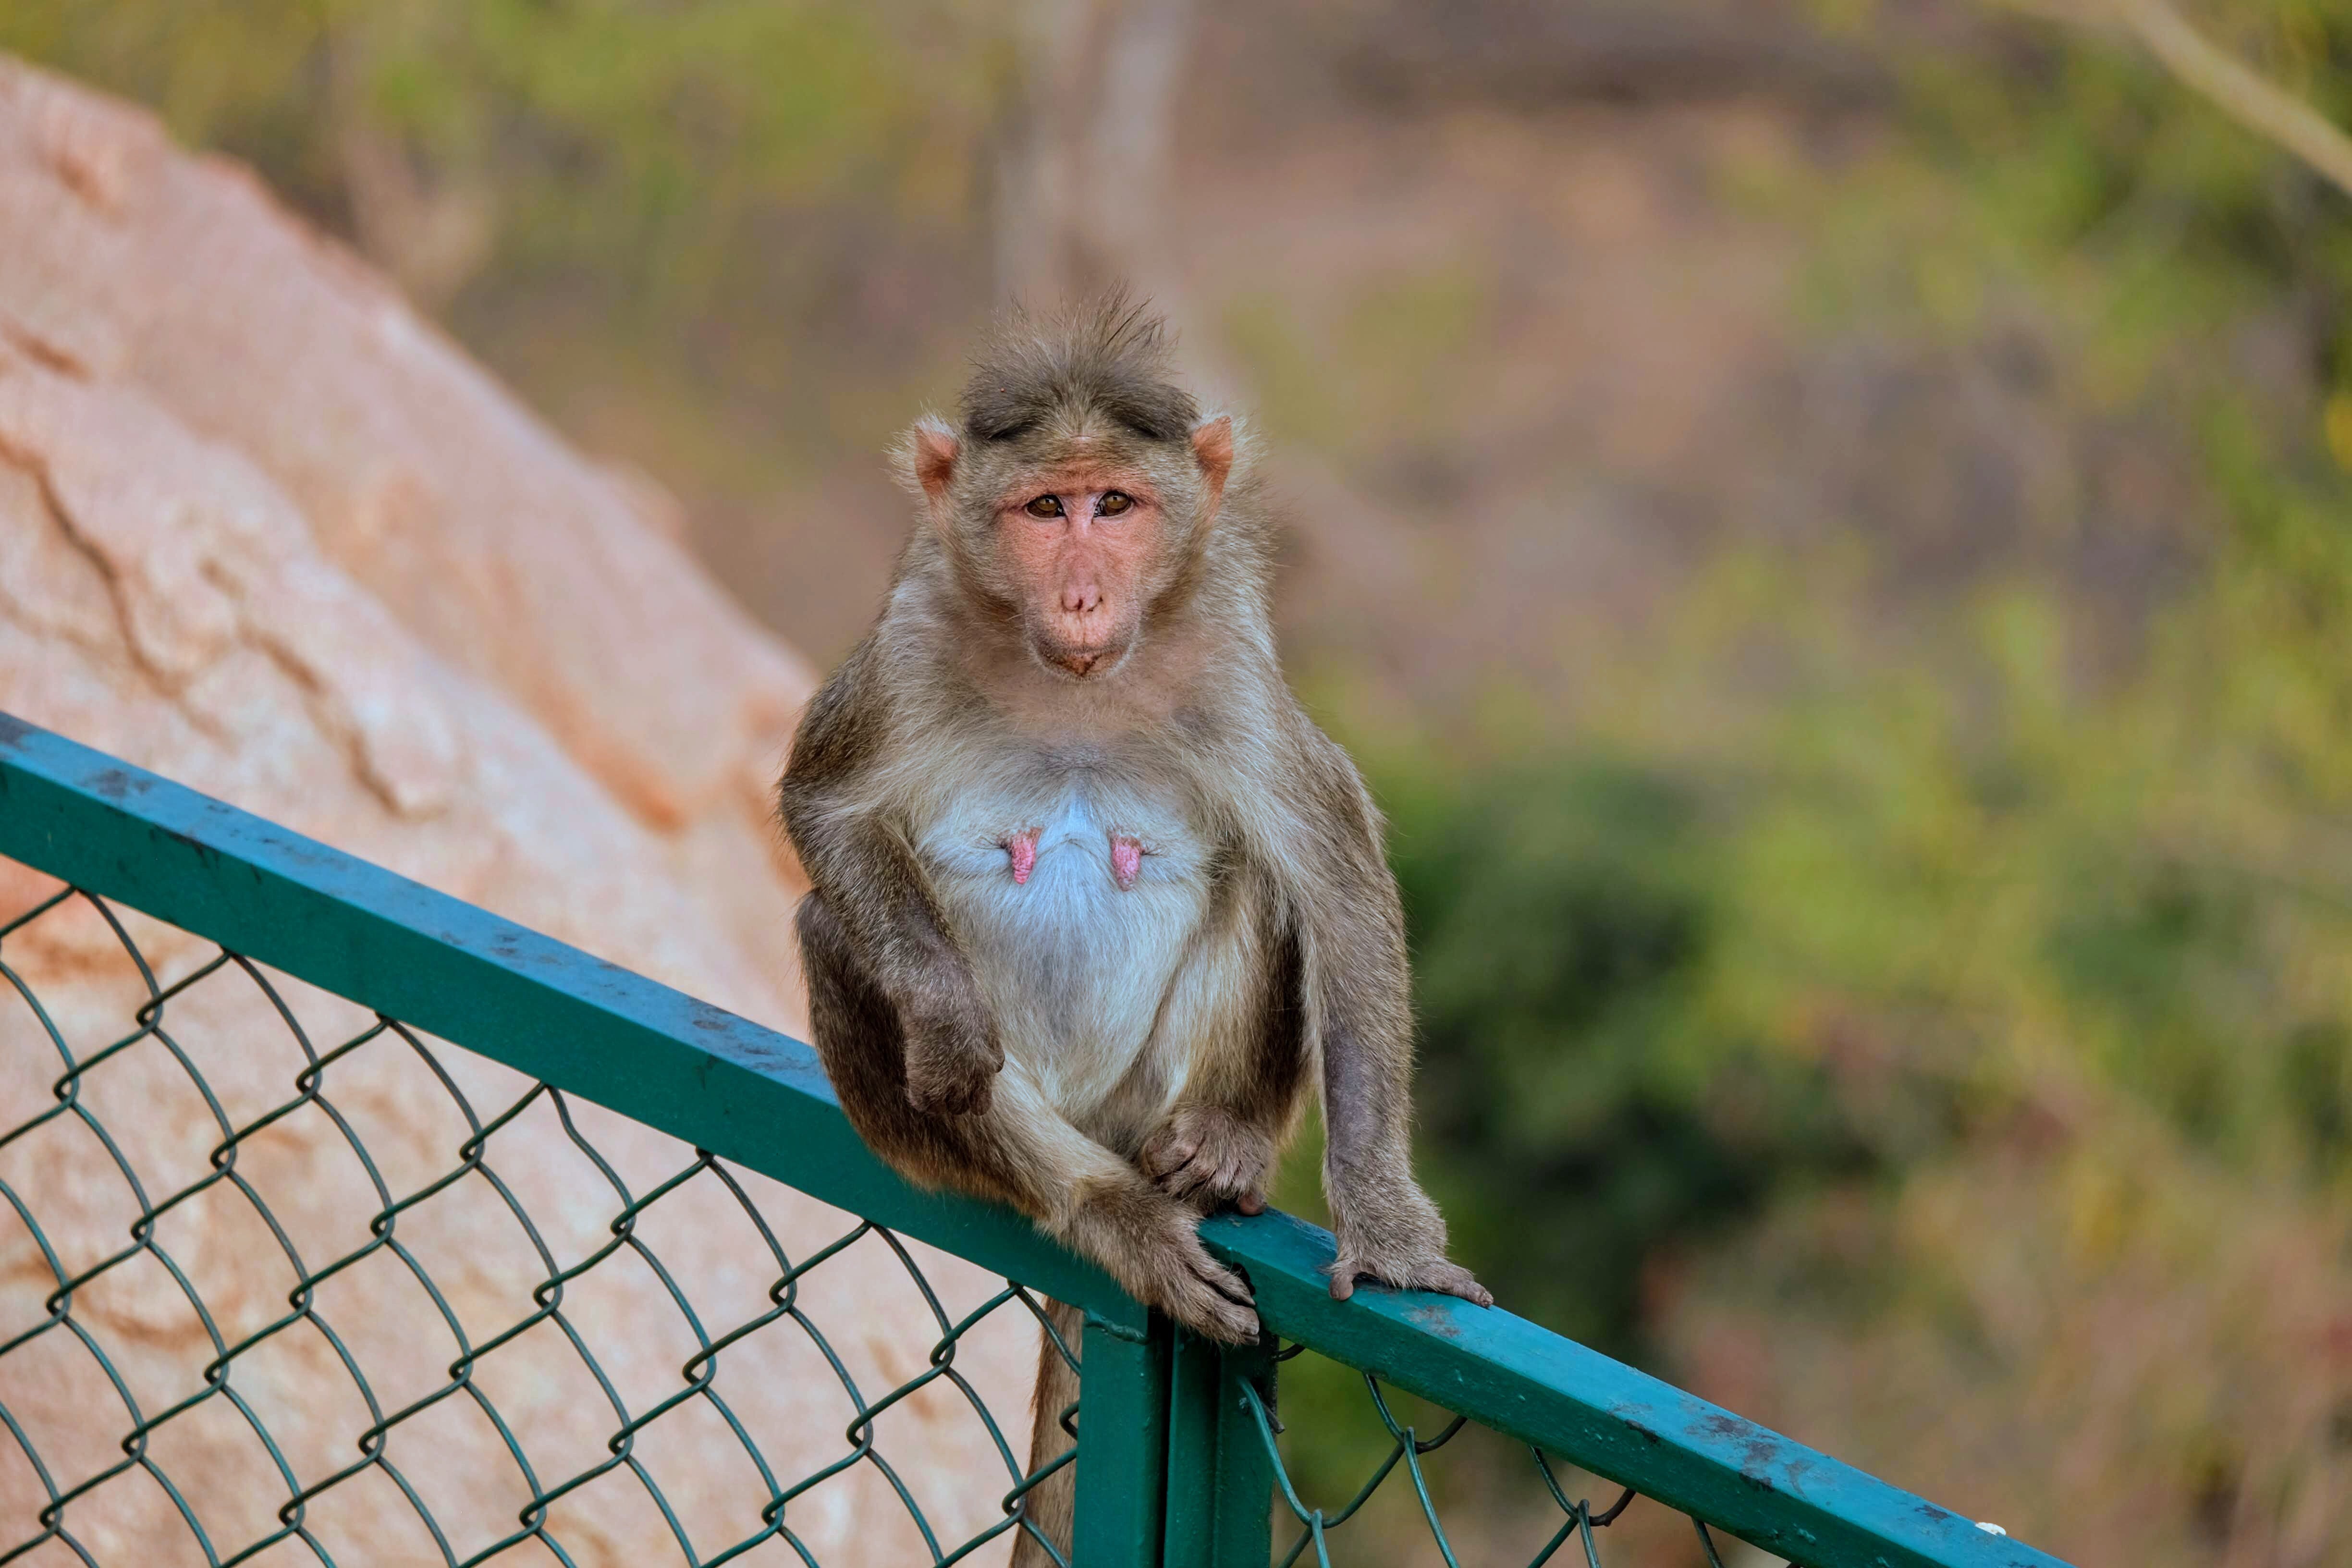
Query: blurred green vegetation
1985, 884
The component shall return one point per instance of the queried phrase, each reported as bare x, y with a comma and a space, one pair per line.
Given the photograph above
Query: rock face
266, 531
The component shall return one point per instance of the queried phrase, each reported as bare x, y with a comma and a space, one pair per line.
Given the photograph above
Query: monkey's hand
1207, 1156
953, 1056
1403, 1245
1434, 1272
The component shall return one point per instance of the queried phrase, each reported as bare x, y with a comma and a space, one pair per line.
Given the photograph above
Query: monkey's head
1075, 490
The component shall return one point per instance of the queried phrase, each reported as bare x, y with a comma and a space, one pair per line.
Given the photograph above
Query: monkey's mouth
1081, 660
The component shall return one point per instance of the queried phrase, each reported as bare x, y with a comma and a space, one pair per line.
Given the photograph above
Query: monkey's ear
935, 450
1212, 445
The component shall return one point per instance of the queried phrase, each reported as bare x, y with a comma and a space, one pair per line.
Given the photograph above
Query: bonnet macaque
1095, 904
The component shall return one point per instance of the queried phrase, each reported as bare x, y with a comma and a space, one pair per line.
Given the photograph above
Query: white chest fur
1075, 964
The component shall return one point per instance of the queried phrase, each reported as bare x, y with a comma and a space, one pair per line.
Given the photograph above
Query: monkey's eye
1113, 503
1044, 506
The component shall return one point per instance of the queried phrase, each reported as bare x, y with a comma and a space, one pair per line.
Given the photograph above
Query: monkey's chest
1078, 914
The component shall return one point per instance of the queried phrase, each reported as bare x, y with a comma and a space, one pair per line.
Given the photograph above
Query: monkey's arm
876, 887
1359, 1003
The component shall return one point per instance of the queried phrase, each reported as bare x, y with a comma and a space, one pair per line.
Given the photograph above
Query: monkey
1094, 906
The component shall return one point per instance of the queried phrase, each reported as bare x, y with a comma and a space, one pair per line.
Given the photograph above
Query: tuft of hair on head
1105, 357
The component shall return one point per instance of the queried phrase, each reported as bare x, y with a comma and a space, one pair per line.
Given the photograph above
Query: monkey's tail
1049, 1503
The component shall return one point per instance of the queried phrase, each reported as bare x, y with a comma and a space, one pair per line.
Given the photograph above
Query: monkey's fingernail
1252, 1203
1343, 1284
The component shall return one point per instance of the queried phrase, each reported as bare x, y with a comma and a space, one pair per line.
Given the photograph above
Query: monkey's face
1079, 536
1076, 541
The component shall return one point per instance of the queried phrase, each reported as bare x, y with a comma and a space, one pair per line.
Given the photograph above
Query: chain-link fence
1493, 1520
111, 1333
344, 1223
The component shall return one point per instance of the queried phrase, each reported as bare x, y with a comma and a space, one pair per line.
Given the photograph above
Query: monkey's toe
1227, 1322
1215, 1303
1205, 1296
1206, 1157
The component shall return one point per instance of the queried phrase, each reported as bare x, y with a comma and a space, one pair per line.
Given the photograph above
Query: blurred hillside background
1827, 524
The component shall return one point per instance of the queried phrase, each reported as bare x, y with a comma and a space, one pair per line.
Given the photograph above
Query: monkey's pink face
1079, 540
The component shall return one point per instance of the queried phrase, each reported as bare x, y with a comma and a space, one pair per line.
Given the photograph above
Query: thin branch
2243, 94
2240, 93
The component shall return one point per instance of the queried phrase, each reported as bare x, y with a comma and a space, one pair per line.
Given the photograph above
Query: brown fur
1268, 902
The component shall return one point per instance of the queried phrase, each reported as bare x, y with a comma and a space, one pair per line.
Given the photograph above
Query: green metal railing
1177, 1444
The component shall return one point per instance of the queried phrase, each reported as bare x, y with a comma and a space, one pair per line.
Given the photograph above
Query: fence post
1122, 1463
1220, 1476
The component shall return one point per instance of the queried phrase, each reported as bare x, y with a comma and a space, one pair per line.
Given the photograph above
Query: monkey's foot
1431, 1273
1202, 1293
1149, 1243
1206, 1156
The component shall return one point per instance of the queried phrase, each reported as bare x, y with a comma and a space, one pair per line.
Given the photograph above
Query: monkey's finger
966, 1099
1217, 1183
1189, 1179
1227, 1180
1169, 1158
1444, 1276
1177, 1180
1251, 1201
1438, 1275
1453, 1279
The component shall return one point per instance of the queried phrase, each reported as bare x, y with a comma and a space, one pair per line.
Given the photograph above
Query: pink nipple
1126, 860
1022, 849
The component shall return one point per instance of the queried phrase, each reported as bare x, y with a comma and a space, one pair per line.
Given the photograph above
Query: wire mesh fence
286, 1279
192, 1141
1494, 1522
268, 1293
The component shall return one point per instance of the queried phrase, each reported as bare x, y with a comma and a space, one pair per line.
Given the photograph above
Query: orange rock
264, 530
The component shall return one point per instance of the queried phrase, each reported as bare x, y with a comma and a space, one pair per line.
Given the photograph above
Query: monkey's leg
1019, 1151
1051, 1502
1248, 1075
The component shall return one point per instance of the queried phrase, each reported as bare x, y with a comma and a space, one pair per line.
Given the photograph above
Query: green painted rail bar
698, 1072
1174, 1477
